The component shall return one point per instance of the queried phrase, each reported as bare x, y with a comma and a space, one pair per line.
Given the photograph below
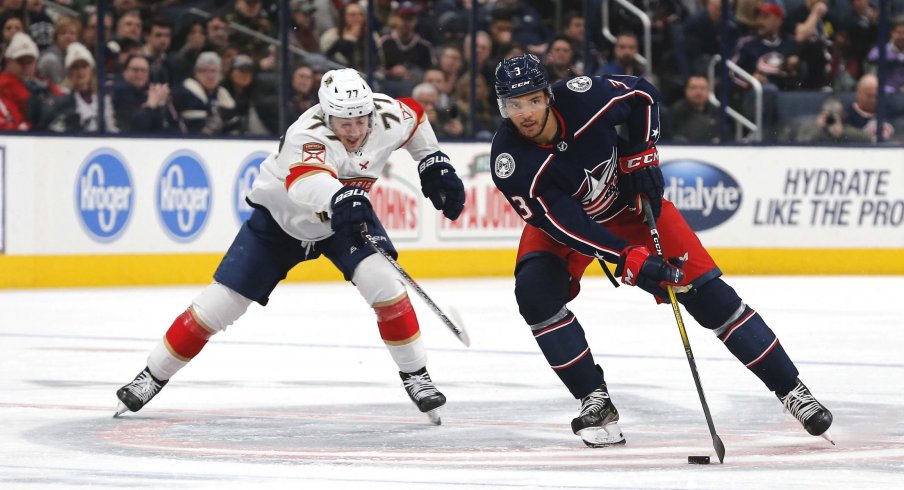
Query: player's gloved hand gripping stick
458, 330
717, 441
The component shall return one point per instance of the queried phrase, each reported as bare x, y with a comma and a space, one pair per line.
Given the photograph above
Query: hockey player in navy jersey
310, 199
559, 160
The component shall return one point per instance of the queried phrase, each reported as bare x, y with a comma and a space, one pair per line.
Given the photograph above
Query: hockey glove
440, 184
351, 208
638, 267
639, 176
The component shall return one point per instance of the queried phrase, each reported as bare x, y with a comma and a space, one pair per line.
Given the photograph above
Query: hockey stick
456, 329
654, 233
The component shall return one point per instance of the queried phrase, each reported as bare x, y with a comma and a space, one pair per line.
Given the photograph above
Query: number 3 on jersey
521, 207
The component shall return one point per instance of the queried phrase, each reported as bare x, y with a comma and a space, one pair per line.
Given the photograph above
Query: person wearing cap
50, 63
404, 52
773, 59
18, 85
203, 105
76, 111
242, 85
303, 22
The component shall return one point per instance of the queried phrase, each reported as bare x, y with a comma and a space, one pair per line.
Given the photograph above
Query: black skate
423, 393
597, 424
815, 418
136, 394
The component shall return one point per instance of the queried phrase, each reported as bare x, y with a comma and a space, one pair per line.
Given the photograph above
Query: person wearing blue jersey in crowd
560, 161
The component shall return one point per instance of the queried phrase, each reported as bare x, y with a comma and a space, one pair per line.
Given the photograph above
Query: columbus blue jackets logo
104, 195
579, 84
183, 196
504, 166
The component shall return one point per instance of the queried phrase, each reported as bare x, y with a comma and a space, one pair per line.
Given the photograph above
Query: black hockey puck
698, 459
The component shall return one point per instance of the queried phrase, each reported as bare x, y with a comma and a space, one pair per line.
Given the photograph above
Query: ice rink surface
303, 394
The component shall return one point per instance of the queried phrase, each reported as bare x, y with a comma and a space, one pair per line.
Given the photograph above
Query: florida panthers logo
504, 166
579, 84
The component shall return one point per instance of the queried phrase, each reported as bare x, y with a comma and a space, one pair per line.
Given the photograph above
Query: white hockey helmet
344, 93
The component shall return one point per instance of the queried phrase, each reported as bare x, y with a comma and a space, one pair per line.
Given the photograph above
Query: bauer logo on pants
104, 195
706, 195
248, 172
183, 196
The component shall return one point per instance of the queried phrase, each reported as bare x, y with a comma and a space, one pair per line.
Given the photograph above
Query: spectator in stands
89, 33
404, 53
444, 125
303, 22
216, 31
861, 27
11, 23
810, 25
40, 25
451, 62
485, 66
304, 91
500, 30
16, 6
77, 110
770, 56
118, 52
560, 60
129, 25
19, 62
528, 29
250, 14
861, 113
242, 86
894, 53
437, 77
139, 106
701, 38
625, 57
346, 43
156, 44
203, 105
694, 118
485, 122
829, 126
51, 63
192, 40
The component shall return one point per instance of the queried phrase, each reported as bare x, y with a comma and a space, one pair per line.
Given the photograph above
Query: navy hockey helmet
518, 76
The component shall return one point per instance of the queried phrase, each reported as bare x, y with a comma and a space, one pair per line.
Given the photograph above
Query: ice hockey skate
815, 418
423, 393
138, 393
597, 423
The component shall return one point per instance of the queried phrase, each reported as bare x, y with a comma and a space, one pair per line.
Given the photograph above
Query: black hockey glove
440, 184
638, 176
351, 208
638, 267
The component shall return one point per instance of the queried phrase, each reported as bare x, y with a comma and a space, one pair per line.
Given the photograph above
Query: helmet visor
516, 106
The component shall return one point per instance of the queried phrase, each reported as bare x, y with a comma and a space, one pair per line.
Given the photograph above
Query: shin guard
187, 336
562, 340
400, 332
754, 344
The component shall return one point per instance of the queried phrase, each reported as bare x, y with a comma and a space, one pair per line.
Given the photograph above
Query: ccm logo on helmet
520, 84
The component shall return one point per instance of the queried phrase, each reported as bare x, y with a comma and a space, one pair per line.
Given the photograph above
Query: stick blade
719, 447
456, 320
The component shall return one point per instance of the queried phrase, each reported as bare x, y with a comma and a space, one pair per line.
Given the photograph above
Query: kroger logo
249, 171
104, 195
183, 195
706, 195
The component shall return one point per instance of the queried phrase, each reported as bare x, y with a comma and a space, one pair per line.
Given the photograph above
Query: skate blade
605, 436
827, 435
434, 417
120, 409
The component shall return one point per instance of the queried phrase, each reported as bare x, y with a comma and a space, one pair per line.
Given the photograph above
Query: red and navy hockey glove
440, 184
638, 267
638, 176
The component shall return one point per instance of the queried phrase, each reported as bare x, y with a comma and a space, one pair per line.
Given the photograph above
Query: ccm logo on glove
641, 160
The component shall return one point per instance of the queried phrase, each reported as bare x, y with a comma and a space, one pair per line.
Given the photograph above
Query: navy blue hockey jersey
570, 187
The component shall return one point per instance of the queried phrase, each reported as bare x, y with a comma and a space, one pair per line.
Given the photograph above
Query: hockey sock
181, 343
400, 332
756, 346
561, 338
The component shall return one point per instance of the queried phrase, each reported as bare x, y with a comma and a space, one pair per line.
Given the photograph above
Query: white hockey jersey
297, 183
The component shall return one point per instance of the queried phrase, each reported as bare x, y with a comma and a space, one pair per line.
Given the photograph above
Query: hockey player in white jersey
311, 199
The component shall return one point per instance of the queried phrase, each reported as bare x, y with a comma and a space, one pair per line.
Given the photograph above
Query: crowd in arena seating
210, 66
